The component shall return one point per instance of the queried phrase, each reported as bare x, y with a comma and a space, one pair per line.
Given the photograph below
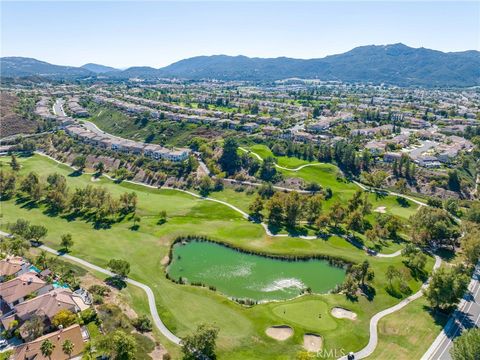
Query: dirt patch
94, 179
341, 313
113, 297
312, 342
280, 333
381, 209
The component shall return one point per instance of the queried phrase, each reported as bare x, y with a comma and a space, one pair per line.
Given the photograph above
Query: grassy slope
184, 307
408, 333
326, 175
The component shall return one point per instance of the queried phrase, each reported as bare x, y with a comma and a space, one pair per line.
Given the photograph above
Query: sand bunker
165, 260
341, 313
312, 342
281, 332
381, 209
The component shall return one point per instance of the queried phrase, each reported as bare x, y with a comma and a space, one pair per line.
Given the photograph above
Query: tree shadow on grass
404, 203
368, 291
297, 231
116, 281
29, 205
75, 173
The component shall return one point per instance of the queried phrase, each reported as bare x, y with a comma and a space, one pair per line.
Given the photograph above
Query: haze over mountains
394, 64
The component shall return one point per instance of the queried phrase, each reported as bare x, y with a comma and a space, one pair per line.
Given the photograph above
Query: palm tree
42, 259
47, 348
67, 347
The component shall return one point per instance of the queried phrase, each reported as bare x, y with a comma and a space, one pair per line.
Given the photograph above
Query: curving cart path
372, 343
368, 350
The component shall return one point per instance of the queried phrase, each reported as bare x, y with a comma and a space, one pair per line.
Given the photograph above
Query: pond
247, 276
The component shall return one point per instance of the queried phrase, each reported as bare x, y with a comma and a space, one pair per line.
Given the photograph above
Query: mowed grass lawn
408, 333
327, 175
242, 329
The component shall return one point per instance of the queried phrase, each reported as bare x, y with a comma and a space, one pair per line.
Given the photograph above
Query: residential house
13, 266
15, 291
32, 350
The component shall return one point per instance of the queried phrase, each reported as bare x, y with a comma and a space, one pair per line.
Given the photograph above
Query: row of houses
96, 137
434, 154
27, 295
107, 141
42, 108
76, 108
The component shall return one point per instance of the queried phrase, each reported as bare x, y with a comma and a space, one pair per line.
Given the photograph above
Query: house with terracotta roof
45, 306
15, 291
13, 266
32, 349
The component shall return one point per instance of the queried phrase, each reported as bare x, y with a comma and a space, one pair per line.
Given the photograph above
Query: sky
157, 33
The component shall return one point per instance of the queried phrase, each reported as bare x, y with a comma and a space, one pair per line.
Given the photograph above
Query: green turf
242, 330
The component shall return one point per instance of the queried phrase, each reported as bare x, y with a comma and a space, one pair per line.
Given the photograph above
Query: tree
473, 214
36, 232
143, 323
470, 245
8, 183
337, 213
47, 348
118, 345
64, 318
433, 227
268, 170
467, 346
80, 162
275, 210
256, 207
313, 208
20, 227
119, 267
33, 328
355, 221
391, 274
66, 241
162, 219
205, 185
14, 164
201, 344
414, 258
401, 186
454, 181
31, 186
446, 288
322, 221
362, 273
128, 202
67, 347
99, 168
293, 208
229, 160
350, 287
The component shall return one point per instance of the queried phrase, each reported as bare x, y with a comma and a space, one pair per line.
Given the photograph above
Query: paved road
372, 343
58, 108
466, 316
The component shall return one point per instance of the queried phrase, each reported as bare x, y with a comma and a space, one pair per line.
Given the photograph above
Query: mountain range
393, 64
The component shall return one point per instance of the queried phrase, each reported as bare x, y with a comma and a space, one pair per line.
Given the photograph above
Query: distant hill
98, 69
22, 67
395, 64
